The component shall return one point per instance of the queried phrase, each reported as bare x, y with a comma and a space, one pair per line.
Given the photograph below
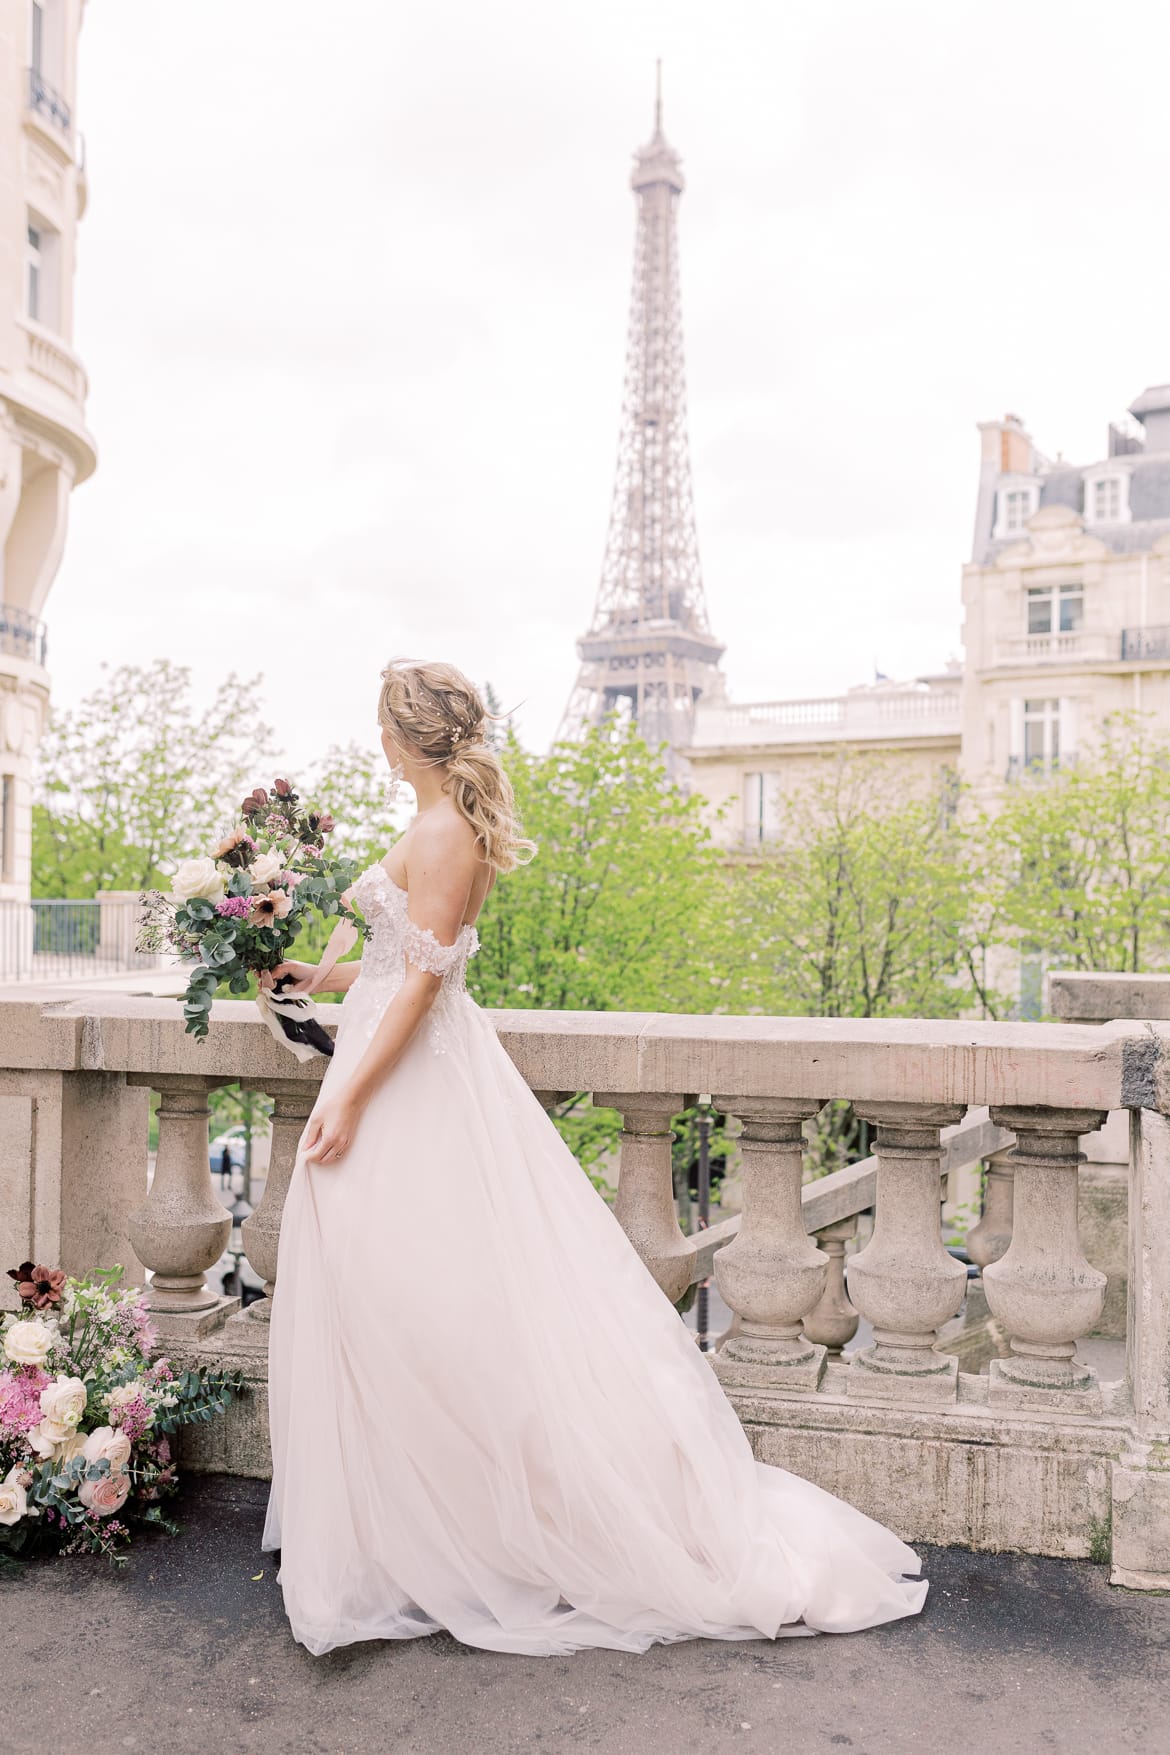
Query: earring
394, 783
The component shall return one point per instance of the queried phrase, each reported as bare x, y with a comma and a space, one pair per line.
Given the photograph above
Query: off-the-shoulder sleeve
424, 950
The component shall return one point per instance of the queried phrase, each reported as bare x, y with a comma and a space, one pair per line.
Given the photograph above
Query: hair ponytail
438, 712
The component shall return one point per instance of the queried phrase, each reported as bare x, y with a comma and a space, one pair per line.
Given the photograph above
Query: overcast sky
352, 291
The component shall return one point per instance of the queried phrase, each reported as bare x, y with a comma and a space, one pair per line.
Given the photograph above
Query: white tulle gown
485, 1415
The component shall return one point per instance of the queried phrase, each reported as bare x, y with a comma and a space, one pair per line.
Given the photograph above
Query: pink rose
107, 1494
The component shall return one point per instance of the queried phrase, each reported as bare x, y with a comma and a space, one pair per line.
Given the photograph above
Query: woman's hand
331, 1128
302, 973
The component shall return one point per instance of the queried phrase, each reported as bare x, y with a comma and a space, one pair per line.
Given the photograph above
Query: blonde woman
485, 1415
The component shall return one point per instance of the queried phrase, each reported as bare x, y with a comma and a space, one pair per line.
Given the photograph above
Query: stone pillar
1141, 1476
181, 1230
773, 1274
292, 1101
833, 1322
1042, 1289
903, 1281
645, 1196
989, 1239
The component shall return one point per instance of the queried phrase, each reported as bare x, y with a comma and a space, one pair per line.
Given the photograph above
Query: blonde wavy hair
436, 711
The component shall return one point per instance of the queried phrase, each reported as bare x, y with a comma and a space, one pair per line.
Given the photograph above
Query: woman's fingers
324, 1144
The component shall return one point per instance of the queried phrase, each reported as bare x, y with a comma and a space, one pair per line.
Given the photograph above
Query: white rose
125, 1392
263, 869
28, 1343
104, 1442
63, 1402
13, 1499
198, 877
52, 1438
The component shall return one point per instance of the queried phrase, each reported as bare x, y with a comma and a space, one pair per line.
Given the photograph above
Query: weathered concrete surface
186, 1651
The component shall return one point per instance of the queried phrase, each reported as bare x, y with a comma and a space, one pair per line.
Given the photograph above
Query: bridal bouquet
239, 907
86, 1415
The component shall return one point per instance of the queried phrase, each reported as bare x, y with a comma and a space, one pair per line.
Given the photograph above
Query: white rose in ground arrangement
198, 877
104, 1444
123, 1393
265, 867
28, 1343
48, 1438
13, 1500
63, 1402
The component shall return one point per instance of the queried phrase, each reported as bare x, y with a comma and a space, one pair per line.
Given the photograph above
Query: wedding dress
485, 1415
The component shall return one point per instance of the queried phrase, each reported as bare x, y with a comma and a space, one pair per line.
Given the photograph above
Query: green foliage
355, 780
137, 777
858, 910
622, 908
1076, 865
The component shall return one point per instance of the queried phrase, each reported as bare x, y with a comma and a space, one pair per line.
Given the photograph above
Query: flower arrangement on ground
86, 1415
239, 907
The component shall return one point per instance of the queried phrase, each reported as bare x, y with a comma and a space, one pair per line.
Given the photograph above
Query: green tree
624, 903
859, 908
138, 777
1077, 864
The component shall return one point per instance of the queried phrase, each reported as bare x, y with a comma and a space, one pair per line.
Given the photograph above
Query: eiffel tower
649, 652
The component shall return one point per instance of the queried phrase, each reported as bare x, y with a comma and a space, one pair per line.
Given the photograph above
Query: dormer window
1015, 504
1107, 497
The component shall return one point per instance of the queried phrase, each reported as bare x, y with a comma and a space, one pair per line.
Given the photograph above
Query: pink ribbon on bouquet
342, 939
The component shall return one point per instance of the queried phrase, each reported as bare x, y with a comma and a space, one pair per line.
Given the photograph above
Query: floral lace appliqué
394, 940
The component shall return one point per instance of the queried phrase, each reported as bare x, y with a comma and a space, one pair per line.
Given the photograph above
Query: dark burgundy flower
281, 788
42, 1287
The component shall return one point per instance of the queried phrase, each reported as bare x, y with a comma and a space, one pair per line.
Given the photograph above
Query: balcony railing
860, 714
51, 940
21, 634
50, 360
47, 102
1074, 648
841, 1361
1152, 643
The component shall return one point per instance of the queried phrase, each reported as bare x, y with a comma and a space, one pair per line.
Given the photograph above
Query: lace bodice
394, 939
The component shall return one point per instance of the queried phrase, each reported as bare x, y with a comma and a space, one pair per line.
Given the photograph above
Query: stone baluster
989, 1239
182, 1229
645, 1206
833, 1322
904, 1282
773, 1274
1042, 1289
292, 1100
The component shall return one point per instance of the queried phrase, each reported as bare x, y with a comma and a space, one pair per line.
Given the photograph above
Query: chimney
1007, 448
1152, 408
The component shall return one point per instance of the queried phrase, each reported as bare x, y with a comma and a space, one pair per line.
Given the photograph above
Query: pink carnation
20, 1398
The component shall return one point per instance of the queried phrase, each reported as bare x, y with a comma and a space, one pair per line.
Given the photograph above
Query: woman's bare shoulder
443, 835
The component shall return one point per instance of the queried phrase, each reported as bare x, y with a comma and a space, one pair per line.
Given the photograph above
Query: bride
486, 1417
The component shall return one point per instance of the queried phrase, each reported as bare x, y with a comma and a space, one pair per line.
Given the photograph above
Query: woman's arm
441, 869
341, 978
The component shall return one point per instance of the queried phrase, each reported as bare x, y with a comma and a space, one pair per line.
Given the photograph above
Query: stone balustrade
1035, 1454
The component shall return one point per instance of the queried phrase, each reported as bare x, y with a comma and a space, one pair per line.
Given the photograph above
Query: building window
1107, 498
36, 59
1014, 506
1055, 609
35, 271
760, 809
40, 273
1017, 508
1041, 735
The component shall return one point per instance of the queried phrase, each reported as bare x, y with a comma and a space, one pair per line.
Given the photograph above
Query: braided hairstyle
435, 710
